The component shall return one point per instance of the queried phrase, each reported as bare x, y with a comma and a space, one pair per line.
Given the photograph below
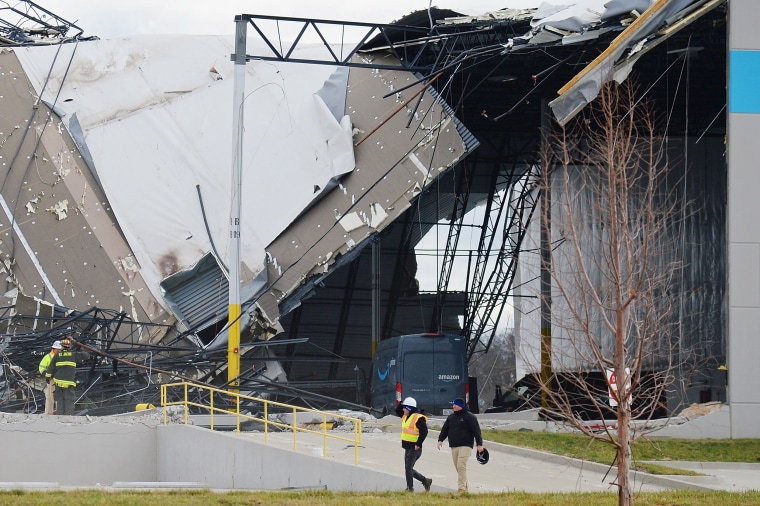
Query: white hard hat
57, 345
409, 401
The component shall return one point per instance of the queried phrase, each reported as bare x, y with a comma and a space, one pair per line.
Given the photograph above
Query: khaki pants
460, 455
50, 398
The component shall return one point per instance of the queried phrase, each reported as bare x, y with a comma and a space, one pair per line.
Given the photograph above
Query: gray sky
107, 19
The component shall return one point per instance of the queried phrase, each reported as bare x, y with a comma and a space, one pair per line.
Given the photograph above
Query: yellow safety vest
45, 362
409, 431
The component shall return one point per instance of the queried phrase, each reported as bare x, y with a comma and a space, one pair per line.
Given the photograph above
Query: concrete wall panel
80, 453
197, 455
743, 211
743, 178
744, 19
744, 356
744, 419
744, 292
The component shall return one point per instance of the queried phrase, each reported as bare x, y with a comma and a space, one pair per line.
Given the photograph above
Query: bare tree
613, 266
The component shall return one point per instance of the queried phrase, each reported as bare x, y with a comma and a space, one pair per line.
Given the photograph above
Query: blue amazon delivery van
432, 368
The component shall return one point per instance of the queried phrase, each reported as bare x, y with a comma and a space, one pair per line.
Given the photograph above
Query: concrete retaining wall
75, 451
229, 461
140, 452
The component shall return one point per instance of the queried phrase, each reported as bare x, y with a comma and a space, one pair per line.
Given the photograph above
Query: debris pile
697, 410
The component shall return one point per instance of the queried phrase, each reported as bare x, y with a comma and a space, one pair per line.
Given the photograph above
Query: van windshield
445, 367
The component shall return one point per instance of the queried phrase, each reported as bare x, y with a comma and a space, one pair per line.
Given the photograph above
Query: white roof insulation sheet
156, 117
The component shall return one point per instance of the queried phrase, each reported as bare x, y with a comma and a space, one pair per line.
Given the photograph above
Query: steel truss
126, 367
510, 209
25, 23
439, 49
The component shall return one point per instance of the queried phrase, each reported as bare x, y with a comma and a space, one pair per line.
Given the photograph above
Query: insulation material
60, 209
639, 21
602, 70
572, 17
158, 124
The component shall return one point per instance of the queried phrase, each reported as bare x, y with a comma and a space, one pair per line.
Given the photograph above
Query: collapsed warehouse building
116, 193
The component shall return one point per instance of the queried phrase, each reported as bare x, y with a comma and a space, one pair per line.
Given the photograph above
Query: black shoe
410, 490
427, 482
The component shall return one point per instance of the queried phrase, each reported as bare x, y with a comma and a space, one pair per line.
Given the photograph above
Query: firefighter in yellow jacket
413, 432
49, 385
63, 370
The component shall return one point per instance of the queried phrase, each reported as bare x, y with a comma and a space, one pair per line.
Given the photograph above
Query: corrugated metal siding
199, 296
468, 138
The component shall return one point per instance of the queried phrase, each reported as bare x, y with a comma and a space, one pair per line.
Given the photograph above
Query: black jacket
63, 367
462, 428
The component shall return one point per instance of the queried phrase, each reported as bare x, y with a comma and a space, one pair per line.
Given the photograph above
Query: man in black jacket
462, 429
62, 371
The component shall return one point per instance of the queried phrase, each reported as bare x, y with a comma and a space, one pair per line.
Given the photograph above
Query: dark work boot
427, 482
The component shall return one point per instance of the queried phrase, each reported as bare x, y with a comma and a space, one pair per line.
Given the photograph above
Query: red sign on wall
612, 386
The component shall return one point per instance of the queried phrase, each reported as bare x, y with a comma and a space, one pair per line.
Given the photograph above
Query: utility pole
375, 293
233, 327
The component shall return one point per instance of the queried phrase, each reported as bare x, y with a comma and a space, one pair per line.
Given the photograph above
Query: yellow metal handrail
186, 402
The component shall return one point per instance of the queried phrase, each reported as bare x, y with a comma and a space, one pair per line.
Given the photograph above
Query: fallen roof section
404, 140
155, 115
656, 23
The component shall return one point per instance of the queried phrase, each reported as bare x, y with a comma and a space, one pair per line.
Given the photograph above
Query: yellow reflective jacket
45, 363
409, 430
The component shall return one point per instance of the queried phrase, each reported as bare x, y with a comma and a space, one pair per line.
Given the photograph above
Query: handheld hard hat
409, 401
57, 345
482, 456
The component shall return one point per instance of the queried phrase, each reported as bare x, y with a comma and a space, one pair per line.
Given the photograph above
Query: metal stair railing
183, 399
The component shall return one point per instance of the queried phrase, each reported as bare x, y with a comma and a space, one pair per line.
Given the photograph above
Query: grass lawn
663, 450
204, 497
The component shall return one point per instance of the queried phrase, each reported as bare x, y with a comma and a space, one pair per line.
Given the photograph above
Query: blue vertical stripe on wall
744, 82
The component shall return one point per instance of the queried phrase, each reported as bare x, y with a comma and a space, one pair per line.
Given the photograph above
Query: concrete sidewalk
730, 476
520, 469
510, 468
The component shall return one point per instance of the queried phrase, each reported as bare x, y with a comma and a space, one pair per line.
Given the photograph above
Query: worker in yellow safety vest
413, 432
49, 385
